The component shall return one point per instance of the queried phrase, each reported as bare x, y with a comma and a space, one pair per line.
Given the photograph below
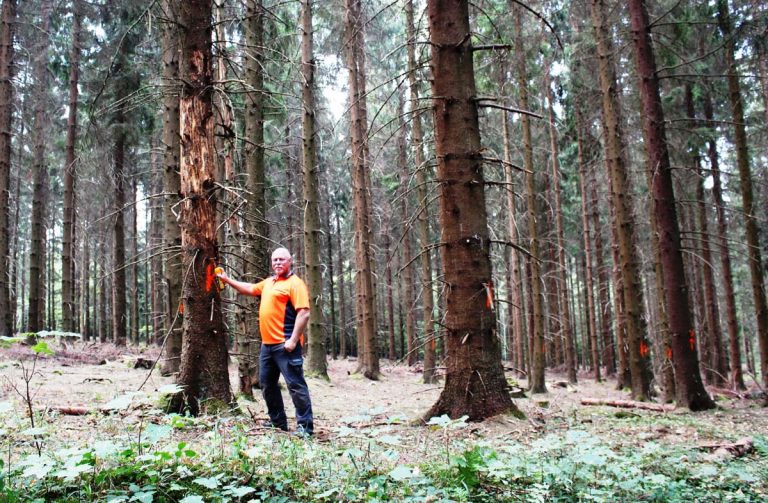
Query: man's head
281, 262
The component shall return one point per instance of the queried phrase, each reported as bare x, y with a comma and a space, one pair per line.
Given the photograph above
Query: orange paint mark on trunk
181, 308
488, 295
669, 353
692, 339
210, 276
644, 349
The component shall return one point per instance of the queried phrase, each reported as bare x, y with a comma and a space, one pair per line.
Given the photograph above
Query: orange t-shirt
281, 298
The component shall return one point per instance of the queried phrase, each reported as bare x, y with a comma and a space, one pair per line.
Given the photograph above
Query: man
283, 316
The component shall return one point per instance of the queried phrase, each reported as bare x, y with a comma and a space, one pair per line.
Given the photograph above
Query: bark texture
475, 384
203, 372
8, 19
689, 389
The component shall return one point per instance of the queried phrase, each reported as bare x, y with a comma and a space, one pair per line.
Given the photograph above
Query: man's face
281, 262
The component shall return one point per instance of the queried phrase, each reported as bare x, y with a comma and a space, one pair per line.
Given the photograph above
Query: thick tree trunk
423, 215
8, 20
37, 254
536, 378
734, 348
475, 384
689, 389
172, 270
747, 196
157, 290
203, 372
621, 198
68, 243
316, 362
343, 350
366, 319
334, 335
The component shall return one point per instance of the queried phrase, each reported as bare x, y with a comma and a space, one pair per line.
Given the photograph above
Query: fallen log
628, 404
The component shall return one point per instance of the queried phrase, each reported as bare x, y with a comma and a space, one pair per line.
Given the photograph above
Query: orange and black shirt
281, 299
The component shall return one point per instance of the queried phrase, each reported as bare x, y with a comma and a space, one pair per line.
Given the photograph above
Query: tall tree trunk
475, 384
119, 308
37, 255
135, 316
8, 20
745, 178
316, 362
589, 281
513, 260
423, 215
68, 243
366, 323
536, 379
716, 361
565, 311
85, 292
343, 350
154, 245
636, 341
103, 285
406, 302
257, 253
203, 371
734, 348
172, 271
334, 332
689, 389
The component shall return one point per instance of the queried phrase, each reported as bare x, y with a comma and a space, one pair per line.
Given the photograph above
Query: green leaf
170, 389
192, 499
41, 348
441, 421
707, 470
389, 439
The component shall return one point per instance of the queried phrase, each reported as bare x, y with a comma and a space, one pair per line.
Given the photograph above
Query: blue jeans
275, 360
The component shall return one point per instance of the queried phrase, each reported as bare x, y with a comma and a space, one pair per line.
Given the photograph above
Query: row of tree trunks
745, 179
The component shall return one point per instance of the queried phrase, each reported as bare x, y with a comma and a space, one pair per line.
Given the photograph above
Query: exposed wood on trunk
203, 372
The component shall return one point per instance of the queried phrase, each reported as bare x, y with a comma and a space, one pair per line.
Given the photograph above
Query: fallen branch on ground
628, 404
736, 449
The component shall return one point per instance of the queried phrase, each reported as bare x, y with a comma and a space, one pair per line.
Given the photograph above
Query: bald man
283, 316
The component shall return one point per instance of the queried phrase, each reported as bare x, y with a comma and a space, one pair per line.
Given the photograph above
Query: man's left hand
290, 345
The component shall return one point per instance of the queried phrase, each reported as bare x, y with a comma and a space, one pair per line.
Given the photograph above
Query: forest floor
90, 403
91, 376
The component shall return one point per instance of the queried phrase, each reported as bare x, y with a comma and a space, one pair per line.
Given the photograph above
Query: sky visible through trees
620, 160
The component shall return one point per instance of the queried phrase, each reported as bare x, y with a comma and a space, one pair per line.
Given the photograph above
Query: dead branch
627, 404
